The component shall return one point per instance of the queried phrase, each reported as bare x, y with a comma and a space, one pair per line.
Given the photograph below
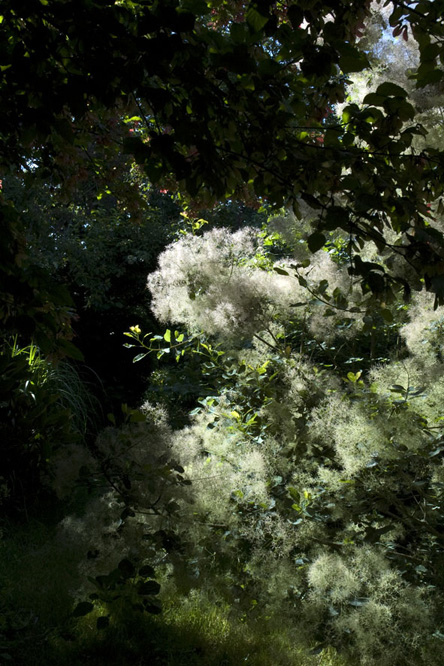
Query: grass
191, 634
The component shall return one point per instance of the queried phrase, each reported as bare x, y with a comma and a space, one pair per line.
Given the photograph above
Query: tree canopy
231, 99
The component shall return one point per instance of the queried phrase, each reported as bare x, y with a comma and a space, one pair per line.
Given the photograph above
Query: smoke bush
423, 333
371, 608
223, 284
212, 283
219, 463
315, 492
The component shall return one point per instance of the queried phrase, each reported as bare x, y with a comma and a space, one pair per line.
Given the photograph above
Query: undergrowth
39, 579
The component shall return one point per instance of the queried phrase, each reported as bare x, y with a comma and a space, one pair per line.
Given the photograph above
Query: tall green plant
45, 411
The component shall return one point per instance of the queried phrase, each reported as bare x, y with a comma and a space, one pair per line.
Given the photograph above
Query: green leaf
388, 89
406, 111
296, 16
352, 377
268, 68
331, 138
337, 217
430, 78
294, 493
148, 587
374, 99
351, 59
255, 19
154, 608
417, 391
196, 7
322, 287
127, 513
147, 571
139, 357
126, 568
83, 608
167, 335
357, 603
315, 241
387, 315
137, 416
430, 52
102, 622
